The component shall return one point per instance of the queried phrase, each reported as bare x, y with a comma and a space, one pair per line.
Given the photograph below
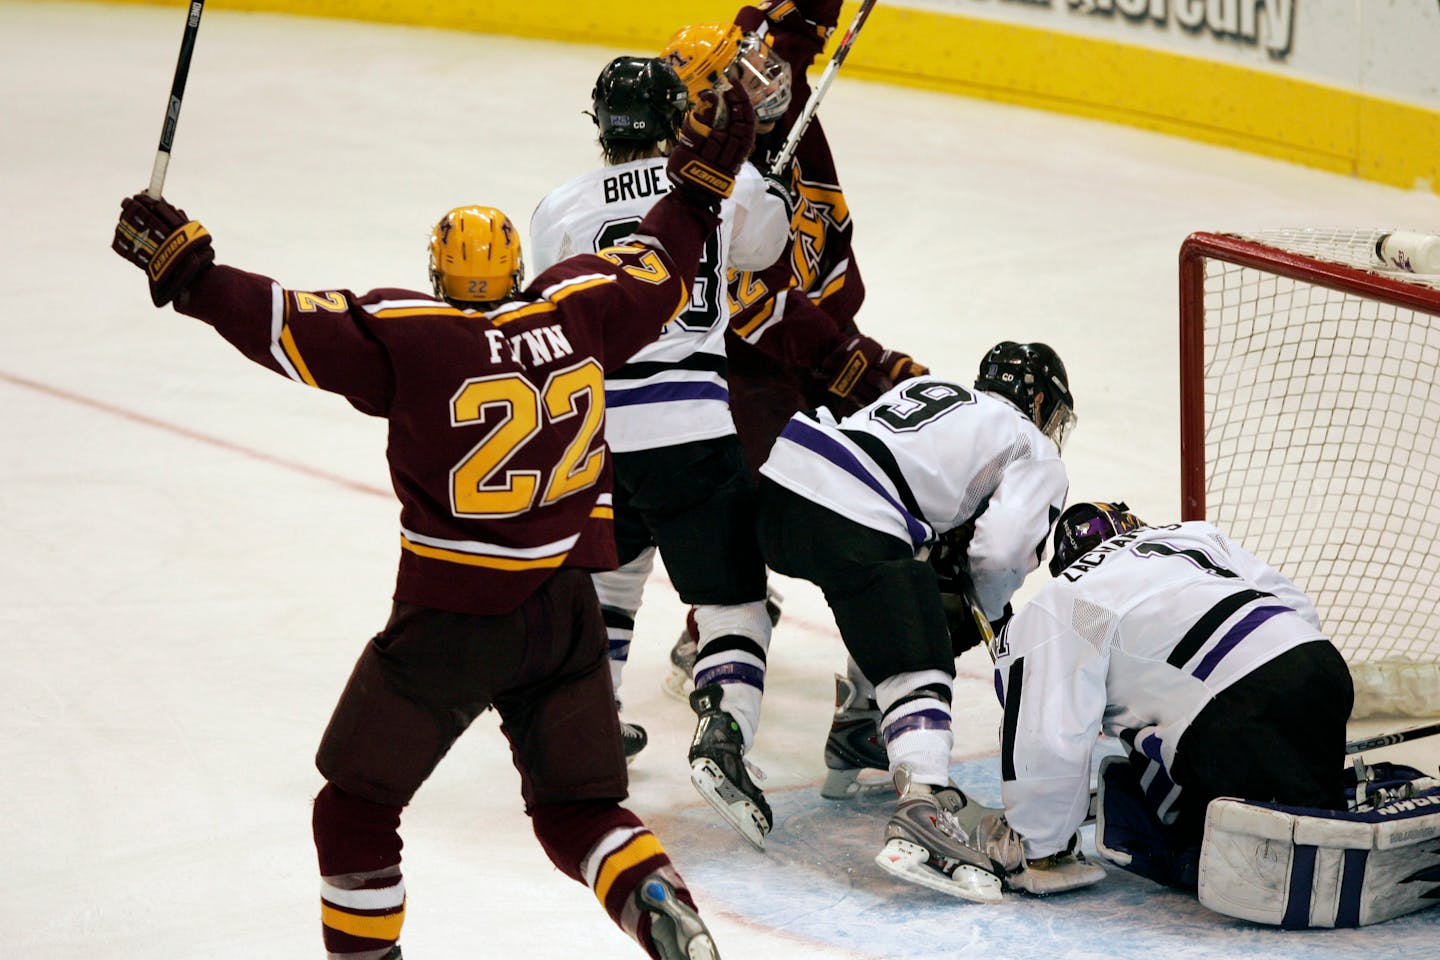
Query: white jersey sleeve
1010, 533
760, 221
1052, 685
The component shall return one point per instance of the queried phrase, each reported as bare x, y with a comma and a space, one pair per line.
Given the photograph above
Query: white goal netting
1316, 391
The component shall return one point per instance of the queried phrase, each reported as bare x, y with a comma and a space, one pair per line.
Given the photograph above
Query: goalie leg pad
1298, 867
1131, 836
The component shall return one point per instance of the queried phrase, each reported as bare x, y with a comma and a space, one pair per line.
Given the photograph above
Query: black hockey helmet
1084, 526
639, 99
1031, 376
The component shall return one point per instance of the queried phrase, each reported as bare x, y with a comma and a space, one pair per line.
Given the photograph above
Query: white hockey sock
734, 641
916, 724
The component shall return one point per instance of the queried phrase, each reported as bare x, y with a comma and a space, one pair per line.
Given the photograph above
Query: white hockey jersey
1133, 639
925, 458
674, 390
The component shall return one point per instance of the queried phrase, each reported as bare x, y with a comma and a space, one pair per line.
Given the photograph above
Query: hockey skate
927, 841
676, 930
854, 746
681, 679
719, 771
633, 739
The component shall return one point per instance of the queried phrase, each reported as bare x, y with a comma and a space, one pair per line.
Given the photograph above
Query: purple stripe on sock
1236, 633
919, 720
731, 672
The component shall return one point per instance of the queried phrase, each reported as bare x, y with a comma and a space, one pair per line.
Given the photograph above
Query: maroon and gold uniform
789, 318
495, 445
497, 456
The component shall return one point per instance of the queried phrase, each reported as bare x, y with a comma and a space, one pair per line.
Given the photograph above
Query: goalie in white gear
855, 506
681, 484
1206, 663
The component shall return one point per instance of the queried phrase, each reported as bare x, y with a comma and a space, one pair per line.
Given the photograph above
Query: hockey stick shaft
1389, 739
782, 160
177, 92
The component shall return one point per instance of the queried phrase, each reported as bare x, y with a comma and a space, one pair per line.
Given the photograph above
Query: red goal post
1310, 432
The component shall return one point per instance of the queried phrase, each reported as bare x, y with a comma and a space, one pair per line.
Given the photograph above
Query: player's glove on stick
171, 248
712, 145
859, 370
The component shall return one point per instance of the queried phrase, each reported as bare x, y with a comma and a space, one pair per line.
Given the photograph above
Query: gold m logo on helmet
172, 247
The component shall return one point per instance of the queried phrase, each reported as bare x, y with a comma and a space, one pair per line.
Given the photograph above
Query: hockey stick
813, 104
177, 91
1389, 739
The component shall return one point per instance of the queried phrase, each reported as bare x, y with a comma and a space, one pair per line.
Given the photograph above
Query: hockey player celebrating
793, 343
855, 506
681, 483
494, 397
1207, 664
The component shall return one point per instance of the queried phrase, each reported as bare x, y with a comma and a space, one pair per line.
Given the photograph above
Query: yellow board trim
636, 852
474, 560
1315, 125
385, 927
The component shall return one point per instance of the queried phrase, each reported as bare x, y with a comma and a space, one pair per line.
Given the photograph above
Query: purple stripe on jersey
797, 431
731, 672
1236, 633
1159, 788
1150, 746
919, 720
999, 689
666, 393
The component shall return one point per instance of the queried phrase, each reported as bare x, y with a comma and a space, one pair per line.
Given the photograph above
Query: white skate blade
907, 861
849, 784
677, 685
738, 810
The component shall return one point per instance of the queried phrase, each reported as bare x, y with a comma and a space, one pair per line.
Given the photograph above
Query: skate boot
633, 739
681, 678
927, 841
854, 745
719, 771
676, 930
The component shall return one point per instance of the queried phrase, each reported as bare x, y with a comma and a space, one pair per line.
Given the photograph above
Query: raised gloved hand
1066, 870
822, 13
714, 141
859, 370
159, 239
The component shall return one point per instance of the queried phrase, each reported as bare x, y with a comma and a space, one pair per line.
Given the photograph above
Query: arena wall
1353, 88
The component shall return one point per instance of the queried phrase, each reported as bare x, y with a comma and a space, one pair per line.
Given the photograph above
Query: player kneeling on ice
856, 506
495, 401
1206, 663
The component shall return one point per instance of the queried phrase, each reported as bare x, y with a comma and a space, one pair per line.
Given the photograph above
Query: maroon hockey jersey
495, 447
815, 286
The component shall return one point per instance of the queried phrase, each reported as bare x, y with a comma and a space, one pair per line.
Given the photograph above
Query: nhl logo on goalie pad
1297, 867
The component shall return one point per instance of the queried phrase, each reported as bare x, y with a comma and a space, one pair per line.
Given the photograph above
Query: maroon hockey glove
159, 239
821, 13
713, 142
859, 370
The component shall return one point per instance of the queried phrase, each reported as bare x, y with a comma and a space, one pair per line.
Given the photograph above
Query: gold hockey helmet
712, 56
475, 256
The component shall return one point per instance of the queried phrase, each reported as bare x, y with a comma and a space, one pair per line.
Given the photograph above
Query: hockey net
1310, 433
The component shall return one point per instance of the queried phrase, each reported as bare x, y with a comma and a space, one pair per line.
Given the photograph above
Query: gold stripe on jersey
641, 847
292, 351
757, 321
564, 292
830, 288
384, 927
530, 310
481, 560
429, 310
602, 513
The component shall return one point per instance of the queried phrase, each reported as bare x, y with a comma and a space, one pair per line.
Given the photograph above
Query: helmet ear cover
475, 257
1084, 526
